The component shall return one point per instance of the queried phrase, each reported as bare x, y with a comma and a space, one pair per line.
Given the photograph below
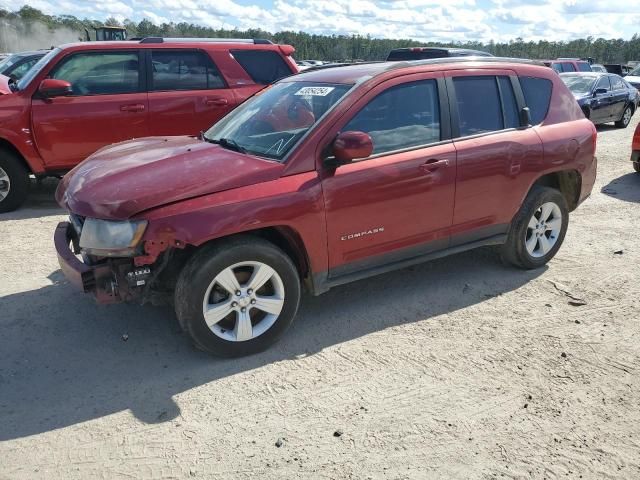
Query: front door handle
216, 102
433, 164
134, 107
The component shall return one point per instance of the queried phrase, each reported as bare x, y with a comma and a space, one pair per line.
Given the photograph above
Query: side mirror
525, 117
599, 91
351, 145
50, 88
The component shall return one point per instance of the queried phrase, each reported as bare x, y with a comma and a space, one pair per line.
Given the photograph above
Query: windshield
35, 70
271, 122
579, 84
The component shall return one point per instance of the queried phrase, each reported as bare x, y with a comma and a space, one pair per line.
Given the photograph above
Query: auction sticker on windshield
314, 91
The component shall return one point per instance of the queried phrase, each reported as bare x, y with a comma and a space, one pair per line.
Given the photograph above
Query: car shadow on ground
65, 360
626, 187
41, 201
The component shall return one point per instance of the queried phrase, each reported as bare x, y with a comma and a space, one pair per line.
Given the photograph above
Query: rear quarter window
584, 67
537, 96
263, 66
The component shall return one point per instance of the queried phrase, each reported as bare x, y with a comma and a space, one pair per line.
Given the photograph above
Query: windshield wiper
227, 143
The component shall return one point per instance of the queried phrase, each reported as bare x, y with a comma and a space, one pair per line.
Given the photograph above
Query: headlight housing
107, 238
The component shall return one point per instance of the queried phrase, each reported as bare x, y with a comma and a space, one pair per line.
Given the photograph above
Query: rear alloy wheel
626, 118
538, 229
14, 182
237, 297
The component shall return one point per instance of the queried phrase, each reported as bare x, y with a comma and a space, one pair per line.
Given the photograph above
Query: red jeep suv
324, 178
81, 97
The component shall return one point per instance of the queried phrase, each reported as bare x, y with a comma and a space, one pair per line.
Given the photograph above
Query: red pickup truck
81, 97
324, 178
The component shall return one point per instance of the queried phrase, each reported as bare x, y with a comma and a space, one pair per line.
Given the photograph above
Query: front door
187, 93
398, 203
108, 105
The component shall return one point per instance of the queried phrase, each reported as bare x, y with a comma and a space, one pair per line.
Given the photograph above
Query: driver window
604, 83
103, 73
401, 117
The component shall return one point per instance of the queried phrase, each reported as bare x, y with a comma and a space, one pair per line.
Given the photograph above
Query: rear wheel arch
567, 182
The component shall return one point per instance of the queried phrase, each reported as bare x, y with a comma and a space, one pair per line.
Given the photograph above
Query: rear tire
14, 181
218, 280
636, 166
626, 118
538, 229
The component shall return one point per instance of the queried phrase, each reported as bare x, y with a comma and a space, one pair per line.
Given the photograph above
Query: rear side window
263, 66
617, 83
557, 67
537, 95
183, 70
100, 73
568, 67
509, 106
403, 116
584, 67
479, 109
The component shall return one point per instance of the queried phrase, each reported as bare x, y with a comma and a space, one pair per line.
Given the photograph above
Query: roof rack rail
255, 41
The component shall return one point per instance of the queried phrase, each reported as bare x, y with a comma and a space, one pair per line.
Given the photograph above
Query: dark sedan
16, 65
603, 97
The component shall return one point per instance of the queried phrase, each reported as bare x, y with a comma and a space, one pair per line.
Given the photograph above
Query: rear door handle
216, 102
433, 164
134, 107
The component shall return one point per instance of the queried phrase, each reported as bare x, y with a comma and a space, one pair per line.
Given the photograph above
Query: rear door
108, 105
187, 93
619, 97
494, 153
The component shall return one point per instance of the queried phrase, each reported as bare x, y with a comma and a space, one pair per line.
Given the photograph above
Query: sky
422, 20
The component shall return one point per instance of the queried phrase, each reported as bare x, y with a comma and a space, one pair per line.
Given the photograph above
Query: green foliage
347, 47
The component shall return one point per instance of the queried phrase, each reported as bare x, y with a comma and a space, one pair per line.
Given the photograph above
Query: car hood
127, 178
4, 85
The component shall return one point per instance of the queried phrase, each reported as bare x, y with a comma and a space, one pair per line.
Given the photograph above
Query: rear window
263, 66
537, 95
183, 70
584, 67
479, 109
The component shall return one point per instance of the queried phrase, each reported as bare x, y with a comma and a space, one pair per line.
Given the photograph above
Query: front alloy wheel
243, 301
237, 296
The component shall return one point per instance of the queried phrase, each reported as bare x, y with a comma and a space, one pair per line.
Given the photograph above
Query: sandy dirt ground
459, 368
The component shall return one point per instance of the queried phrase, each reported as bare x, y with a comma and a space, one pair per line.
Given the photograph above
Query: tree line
336, 47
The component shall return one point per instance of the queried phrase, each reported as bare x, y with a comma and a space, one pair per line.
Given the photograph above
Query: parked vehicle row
81, 97
603, 97
324, 178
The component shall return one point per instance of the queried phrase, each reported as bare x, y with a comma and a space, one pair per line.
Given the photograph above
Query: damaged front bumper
110, 280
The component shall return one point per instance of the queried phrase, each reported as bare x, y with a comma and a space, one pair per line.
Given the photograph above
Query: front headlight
106, 238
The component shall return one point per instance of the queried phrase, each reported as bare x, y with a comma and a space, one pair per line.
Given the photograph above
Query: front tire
538, 229
237, 297
14, 181
626, 118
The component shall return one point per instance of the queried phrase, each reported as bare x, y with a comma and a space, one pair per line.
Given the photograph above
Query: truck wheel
14, 182
237, 297
538, 229
625, 119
